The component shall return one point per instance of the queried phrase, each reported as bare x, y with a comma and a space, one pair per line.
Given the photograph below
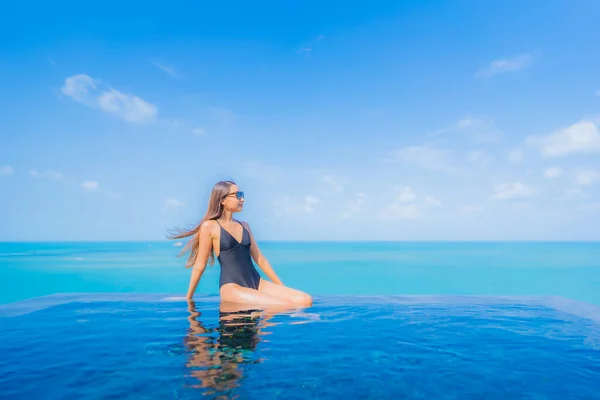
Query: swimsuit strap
216, 219
243, 228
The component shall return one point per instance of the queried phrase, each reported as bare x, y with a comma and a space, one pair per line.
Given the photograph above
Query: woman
233, 243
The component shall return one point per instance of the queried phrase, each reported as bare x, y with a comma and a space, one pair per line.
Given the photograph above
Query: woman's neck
226, 216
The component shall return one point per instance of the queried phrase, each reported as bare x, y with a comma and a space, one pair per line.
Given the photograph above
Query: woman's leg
229, 307
285, 293
233, 293
230, 311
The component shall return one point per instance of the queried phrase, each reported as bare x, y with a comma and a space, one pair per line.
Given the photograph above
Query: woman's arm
204, 248
260, 259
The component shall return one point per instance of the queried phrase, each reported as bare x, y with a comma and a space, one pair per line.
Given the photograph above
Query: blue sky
380, 120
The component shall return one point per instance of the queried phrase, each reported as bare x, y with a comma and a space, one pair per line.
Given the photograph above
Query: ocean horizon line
309, 241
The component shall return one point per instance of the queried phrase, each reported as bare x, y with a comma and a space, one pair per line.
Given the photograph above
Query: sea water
570, 270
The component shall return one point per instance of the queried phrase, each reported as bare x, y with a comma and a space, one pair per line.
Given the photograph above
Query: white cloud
580, 138
309, 203
404, 205
502, 66
90, 186
471, 208
553, 172
515, 156
93, 186
354, 206
128, 107
593, 206
7, 170
512, 191
424, 156
115, 196
480, 158
477, 129
482, 130
307, 48
572, 193
198, 131
586, 177
432, 201
262, 172
172, 202
169, 70
287, 205
78, 87
402, 211
48, 174
222, 116
405, 194
333, 183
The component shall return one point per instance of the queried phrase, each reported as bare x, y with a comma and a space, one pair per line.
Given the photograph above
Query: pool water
358, 347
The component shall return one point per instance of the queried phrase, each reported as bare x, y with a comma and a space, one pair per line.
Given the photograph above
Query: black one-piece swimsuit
236, 261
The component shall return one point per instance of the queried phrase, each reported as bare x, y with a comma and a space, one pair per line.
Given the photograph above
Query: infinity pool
416, 347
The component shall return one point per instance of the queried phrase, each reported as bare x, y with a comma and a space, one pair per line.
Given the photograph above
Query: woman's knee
303, 299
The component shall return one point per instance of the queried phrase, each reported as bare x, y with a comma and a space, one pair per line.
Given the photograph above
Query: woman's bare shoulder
244, 223
209, 227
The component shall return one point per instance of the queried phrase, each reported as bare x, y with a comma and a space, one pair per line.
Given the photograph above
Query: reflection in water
216, 354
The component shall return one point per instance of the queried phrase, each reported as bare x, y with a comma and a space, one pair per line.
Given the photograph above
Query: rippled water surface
146, 346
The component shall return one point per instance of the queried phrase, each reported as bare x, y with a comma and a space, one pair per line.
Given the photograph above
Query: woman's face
234, 201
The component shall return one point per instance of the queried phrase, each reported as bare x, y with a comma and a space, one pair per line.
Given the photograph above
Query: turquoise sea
323, 268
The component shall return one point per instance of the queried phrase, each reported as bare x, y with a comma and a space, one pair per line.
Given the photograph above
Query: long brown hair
215, 208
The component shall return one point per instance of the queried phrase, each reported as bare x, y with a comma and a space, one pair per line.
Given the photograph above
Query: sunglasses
239, 195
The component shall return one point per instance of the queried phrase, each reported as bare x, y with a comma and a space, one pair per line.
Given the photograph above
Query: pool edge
575, 307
